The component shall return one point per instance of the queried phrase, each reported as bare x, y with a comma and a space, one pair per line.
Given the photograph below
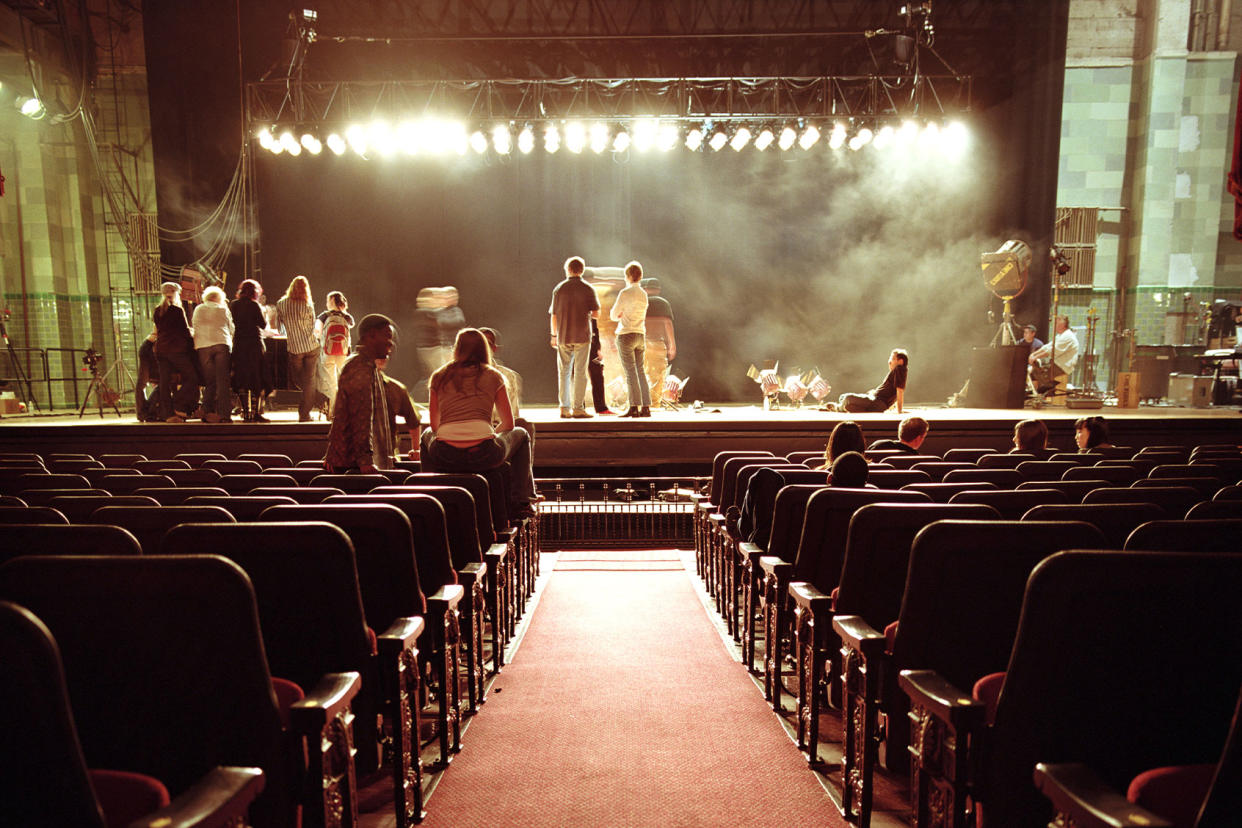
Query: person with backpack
332, 330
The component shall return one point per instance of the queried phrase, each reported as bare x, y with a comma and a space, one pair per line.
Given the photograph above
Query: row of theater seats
892, 603
303, 632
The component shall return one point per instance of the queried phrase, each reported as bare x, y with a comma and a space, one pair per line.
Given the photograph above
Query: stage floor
671, 442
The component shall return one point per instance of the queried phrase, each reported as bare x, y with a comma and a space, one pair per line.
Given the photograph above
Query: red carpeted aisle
623, 708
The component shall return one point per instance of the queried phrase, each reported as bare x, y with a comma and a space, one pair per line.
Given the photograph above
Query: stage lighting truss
635, 115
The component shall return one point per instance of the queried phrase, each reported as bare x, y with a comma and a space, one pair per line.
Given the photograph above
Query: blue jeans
513, 446
632, 348
217, 398
571, 369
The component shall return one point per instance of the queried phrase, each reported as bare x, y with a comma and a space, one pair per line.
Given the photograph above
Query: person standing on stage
879, 399
574, 305
629, 311
360, 437
1064, 352
332, 328
660, 344
295, 311
213, 340
251, 380
174, 353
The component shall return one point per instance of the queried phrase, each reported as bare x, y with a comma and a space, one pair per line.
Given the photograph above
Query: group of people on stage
218, 347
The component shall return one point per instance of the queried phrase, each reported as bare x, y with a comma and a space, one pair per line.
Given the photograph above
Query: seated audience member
400, 405
1091, 432
1030, 437
849, 471
881, 398
910, 436
463, 393
847, 436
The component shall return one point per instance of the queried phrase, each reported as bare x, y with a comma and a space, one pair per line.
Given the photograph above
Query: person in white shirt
1064, 352
629, 311
213, 342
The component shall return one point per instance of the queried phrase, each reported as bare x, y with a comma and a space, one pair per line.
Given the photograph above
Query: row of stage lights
439, 137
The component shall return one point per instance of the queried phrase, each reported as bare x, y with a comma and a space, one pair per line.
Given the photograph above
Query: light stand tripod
22, 379
1007, 333
99, 384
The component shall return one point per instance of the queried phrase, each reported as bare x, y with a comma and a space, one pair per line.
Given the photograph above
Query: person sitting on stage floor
1091, 433
400, 405
910, 436
847, 436
879, 399
849, 471
360, 436
1064, 352
513, 385
463, 394
1030, 437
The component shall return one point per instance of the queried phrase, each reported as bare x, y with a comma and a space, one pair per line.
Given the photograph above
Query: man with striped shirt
295, 312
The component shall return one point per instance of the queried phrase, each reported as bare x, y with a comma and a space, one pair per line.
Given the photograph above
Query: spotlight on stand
1005, 273
672, 391
796, 390
818, 386
769, 384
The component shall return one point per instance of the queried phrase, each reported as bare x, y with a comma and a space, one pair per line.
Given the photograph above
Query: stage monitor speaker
998, 376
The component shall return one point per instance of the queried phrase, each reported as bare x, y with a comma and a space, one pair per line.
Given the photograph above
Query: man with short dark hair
892, 390
574, 305
360, 437
910, 436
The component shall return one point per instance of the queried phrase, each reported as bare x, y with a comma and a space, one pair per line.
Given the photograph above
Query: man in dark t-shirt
910, 436
574, 305
878, 400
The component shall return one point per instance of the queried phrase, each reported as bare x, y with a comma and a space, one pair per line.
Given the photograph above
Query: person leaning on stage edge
574, 305
629, 312
910, 436
296, 312
360, 436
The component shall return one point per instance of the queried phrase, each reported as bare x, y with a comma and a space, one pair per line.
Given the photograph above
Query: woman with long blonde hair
463, 394
295, 312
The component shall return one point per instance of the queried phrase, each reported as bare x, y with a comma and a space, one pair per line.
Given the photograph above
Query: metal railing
607, 513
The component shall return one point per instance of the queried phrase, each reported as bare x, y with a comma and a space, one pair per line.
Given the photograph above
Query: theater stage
670, 443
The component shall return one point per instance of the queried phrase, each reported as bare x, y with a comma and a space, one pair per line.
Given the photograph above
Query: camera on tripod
92, 358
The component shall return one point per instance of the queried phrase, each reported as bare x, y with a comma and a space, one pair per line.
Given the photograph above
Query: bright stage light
836, 138
861, 139
740, 139
929, 138
290, 144
955, 140
908, 134
575, 136
526, 140
646, 133
809, 136
694, 139
718, 139
32, 108
380, 137
621, 141
885, 137
788, 136
312, 144
265, 138
408, 138
666, 139
336, 143
599, 137
502, 139
764, 139
478, 141
356, 135
551, 138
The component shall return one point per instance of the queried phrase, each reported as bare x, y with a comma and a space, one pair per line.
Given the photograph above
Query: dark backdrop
817, 259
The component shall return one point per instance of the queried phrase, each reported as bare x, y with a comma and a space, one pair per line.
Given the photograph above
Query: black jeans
184, 400
513, 446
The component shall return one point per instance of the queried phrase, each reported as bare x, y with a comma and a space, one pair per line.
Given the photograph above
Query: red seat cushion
987, 690
890, 635
1175, 793
287, 692
124, 796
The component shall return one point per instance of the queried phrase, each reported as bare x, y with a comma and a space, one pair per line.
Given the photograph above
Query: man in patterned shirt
361, 436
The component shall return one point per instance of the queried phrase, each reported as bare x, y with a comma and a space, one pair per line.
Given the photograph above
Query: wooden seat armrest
857, 634
327, 699
506, 535
221, 798
400, 635
773, 565
748, 551
497, 552
1079, 793
806, 594
942, 699
445, 598
716, 519
472, 573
